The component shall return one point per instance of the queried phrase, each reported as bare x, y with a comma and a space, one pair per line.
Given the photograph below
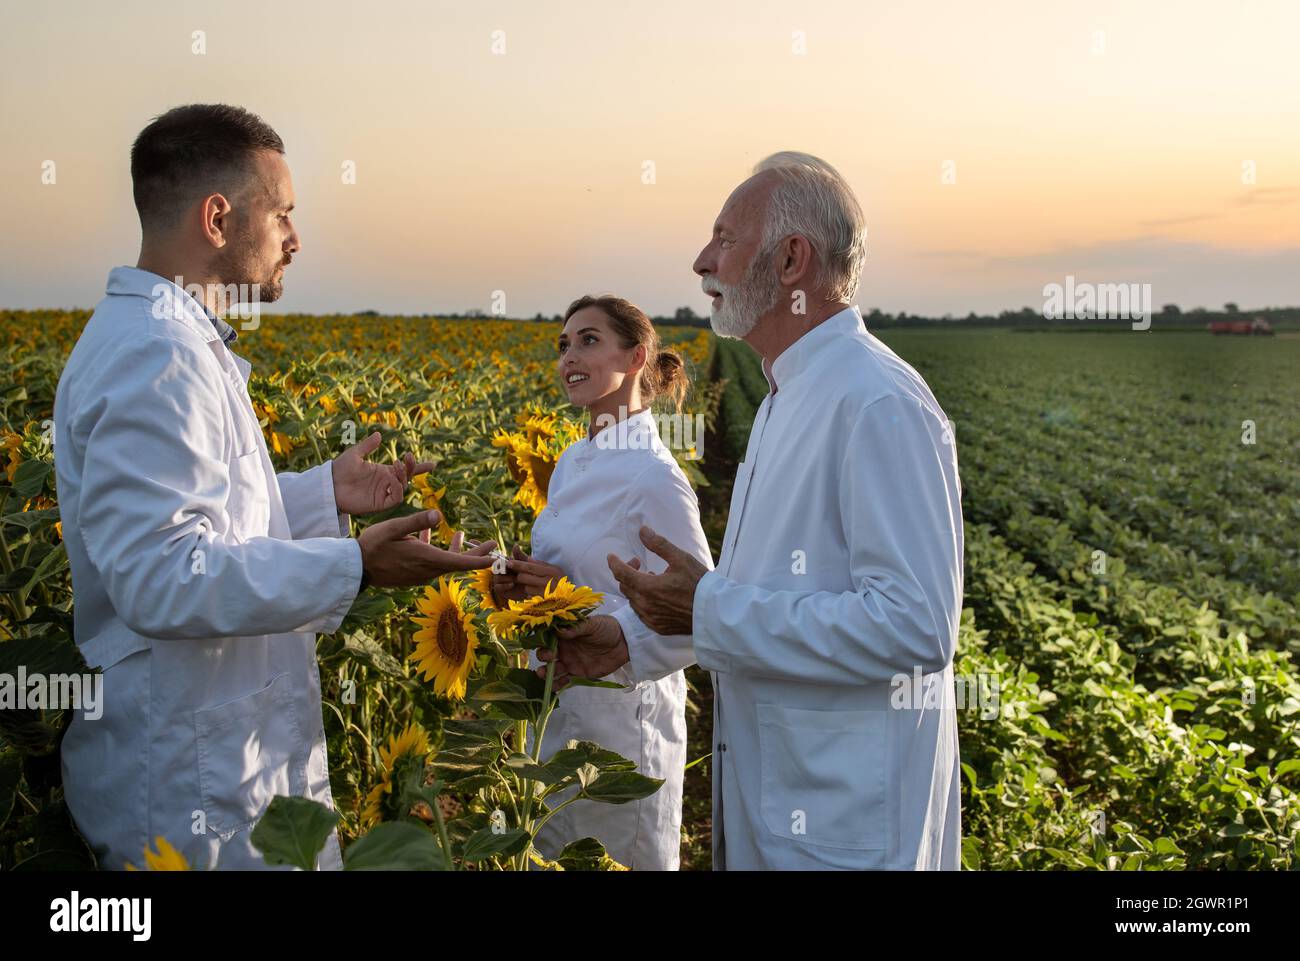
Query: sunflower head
511, 444
431, 500
481, 581
540, 464
12, 444
412, 744
536, 423
532, 452
448, 638
559, 602
167, 858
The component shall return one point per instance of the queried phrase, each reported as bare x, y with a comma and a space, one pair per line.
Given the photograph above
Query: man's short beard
270, 291
236, 264
747, 301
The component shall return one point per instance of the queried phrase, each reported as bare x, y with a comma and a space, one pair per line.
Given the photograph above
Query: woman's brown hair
664, 373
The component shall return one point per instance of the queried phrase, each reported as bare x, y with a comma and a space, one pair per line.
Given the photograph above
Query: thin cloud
1268, 197
1175, 221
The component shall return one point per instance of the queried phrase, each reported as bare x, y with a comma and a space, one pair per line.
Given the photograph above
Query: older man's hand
664, 602
591, 648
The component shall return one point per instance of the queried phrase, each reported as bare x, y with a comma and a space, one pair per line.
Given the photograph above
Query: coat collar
635, 432
803, 354
171, 302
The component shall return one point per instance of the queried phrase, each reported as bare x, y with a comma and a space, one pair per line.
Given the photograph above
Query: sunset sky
1104, 140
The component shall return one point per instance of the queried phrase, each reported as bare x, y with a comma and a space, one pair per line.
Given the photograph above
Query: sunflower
431, 499
531, 455
411, 743
13, 443
559, 602
510, 442
166, 859
388, 417
540, 464
445, 648
537, 424
481, 581
531, 496
280, 443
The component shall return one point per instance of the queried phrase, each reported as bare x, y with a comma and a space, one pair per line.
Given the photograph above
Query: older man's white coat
840, 578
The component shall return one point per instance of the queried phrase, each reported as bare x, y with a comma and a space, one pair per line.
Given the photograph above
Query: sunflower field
427, 706
1126, 657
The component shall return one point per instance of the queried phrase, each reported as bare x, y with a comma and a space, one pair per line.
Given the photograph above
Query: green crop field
1132, 507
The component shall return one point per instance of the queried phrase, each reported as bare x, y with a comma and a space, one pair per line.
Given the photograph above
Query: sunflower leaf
588, 682
31, 519
293, 831
369, 651
587, 854
519, 710
395, 846
619, 787
465, 760
532, 685
29, 479
549, 774
460, 828
517, 695
489, 843
370, 605
499, 692
469, 732
577, 753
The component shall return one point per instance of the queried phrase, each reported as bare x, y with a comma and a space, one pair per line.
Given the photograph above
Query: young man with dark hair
200, 575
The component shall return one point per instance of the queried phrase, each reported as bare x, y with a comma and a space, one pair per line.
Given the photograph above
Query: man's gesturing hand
392, 558
364, 488
664, 602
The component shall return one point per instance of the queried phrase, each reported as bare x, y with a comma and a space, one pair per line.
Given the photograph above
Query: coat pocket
822, 776
249, 750
249, 504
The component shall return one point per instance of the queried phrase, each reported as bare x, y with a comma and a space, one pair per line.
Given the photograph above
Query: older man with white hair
831, 620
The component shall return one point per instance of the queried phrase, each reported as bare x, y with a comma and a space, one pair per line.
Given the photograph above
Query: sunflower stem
545, 716
541, 822
442, 836
542, 718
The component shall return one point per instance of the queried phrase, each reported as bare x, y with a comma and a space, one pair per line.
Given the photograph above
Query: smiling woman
603, 489
607, 340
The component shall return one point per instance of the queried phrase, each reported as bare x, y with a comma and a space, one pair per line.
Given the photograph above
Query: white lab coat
200, 579
840, 573
602, 491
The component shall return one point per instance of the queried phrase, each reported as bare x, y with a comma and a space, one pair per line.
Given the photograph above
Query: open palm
361, 487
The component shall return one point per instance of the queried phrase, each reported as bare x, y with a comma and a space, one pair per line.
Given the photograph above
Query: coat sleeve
154, 518
663, 500
309, 503
901, 520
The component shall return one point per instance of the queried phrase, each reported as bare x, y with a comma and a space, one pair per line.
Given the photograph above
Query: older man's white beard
744, 303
